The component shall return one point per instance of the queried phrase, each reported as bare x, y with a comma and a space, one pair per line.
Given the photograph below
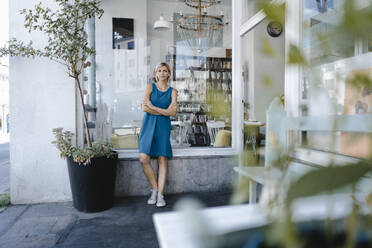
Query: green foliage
327, 179
355, 23
241, 192
334, 40
63, 143
295, 56
102, 149
4, 200
267, 80
267, 49
67, 41
274, 11
360, 80
220, 105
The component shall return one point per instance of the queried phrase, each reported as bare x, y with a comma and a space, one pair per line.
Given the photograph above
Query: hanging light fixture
200, 30
161, 23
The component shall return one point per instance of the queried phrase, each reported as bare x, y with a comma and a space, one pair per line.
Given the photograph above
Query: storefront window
250, 8
128, 49
336, 61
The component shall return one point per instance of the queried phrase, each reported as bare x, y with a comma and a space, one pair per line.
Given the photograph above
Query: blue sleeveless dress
155, 131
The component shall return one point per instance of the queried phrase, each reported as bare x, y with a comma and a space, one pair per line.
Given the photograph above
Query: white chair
304, 160
185, 127
252, 131
275, 139
277, 125
179, 132
213, 128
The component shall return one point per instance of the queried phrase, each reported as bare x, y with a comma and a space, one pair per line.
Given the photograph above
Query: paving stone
49, 209
8, 217
4, 175
45, 241
127, 224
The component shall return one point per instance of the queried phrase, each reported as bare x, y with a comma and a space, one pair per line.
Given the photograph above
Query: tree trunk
87, 136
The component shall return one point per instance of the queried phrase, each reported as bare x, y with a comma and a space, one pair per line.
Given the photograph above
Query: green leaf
266, 48
356, 23
274, 11
327, 179
267, 80
360, 80
4, 200
295, 56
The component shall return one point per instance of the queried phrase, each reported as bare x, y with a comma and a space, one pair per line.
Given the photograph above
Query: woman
159, 103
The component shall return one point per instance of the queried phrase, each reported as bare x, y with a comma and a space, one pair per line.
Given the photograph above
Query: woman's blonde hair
161, 65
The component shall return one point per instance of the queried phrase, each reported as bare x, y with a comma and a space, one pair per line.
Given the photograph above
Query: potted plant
92, 172
92, 169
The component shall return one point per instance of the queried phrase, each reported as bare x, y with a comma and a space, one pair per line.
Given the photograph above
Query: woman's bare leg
162, 173
148, 170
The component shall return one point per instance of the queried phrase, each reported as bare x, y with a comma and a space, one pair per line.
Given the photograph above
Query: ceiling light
161, 23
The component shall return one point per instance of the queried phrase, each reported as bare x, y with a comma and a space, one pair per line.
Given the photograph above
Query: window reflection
201, 78
336, 61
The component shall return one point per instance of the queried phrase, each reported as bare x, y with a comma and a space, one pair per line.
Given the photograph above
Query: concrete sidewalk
4, 167
127, 224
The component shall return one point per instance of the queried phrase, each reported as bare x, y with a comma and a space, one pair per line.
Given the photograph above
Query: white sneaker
160, 202
152, 199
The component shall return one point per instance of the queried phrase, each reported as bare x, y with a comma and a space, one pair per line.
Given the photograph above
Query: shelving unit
197, 79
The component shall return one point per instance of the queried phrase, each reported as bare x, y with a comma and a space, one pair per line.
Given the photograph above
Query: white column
237, 78
3, 127
293, 73
91, 70
293, 36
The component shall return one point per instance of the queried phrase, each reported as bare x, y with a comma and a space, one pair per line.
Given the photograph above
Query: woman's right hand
148, 103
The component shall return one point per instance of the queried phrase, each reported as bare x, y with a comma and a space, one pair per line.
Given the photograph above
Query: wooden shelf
180, 56
194, 68
187, 112
191, 101
207, 64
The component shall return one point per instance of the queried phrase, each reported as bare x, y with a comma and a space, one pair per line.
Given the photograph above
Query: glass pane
336, 61
129, 49
250, 8
320, 19
263, 79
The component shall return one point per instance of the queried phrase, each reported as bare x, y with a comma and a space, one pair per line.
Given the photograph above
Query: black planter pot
93, 185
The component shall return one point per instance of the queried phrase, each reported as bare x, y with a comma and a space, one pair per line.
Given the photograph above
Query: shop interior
195, 39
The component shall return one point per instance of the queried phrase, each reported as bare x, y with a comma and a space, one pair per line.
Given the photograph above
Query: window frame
237, 107
293, 82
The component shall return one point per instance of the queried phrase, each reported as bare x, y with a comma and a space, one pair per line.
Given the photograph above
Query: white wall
4, 66
269, 66
121, 99
42, 97
4, 29
258, 65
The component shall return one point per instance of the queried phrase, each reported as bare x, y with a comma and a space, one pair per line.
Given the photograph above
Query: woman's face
162, 73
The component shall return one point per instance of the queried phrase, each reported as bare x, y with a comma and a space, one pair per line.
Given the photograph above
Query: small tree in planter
68, 45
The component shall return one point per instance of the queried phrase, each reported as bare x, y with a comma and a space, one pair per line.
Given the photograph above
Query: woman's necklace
164, 88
